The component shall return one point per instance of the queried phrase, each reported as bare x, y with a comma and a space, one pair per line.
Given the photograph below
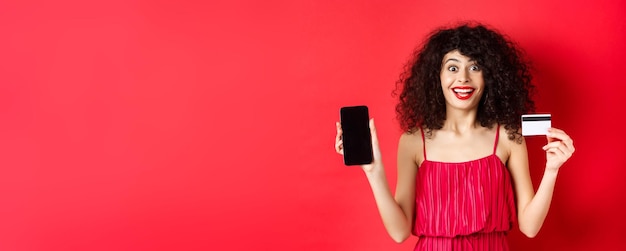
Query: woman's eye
475, 68
452, 68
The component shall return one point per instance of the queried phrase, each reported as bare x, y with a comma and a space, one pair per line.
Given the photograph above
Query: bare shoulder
508, 146
410, 144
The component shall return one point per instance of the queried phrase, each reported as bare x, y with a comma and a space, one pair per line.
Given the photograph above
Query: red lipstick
463, 92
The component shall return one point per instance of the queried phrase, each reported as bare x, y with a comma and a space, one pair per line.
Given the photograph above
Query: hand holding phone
356, 136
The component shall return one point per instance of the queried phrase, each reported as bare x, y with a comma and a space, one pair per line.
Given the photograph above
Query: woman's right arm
396, 212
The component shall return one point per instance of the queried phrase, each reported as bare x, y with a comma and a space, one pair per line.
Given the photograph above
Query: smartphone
357, 139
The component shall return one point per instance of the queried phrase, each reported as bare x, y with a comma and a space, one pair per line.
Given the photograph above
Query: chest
460, 149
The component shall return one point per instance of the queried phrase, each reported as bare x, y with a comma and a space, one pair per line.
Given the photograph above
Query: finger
338, 144
338, 136
375, 146
554, 129
561, 150
557, 152
567, 151
569, 144
552, 144
339, 147
563, 138
338, 140
373, 132
339, 131
558, 134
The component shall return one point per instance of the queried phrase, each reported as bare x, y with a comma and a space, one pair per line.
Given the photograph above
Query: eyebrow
458, 61
452, 59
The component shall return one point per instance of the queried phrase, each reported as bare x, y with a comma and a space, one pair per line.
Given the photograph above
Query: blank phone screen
357, 140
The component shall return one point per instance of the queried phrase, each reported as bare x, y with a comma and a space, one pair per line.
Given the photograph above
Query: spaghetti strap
495, 144
423, 142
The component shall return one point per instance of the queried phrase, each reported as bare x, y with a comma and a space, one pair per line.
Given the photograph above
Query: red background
195, 125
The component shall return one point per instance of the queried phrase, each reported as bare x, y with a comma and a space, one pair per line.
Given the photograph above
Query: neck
460, 120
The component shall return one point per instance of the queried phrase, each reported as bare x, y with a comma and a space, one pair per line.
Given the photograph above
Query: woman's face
461, 81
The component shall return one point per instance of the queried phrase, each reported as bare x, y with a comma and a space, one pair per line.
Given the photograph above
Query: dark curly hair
508, 87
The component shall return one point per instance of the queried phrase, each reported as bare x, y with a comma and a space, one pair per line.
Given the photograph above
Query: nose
463, 76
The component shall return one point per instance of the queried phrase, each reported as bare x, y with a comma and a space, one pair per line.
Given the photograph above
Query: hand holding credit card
536, 124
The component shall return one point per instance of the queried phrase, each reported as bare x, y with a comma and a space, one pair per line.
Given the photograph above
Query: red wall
187, 125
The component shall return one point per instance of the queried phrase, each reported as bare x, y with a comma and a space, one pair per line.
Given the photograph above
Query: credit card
536, 124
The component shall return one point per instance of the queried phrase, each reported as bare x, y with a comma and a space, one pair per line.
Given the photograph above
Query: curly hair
507, 78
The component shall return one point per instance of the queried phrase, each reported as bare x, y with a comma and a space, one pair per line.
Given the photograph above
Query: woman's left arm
532, 208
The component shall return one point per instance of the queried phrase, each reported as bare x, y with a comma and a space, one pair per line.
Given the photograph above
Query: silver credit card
536, 124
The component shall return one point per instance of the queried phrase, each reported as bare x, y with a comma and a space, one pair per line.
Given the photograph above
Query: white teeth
463, 90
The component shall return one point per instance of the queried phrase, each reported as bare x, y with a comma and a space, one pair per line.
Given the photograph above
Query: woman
463, 175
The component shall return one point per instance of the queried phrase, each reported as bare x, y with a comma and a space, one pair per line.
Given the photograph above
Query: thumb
373, 132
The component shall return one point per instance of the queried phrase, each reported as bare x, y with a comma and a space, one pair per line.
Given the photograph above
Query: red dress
463, 206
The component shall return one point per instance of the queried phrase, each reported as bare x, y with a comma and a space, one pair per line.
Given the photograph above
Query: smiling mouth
463, 93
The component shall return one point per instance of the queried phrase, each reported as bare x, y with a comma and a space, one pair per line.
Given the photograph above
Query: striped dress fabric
463, 206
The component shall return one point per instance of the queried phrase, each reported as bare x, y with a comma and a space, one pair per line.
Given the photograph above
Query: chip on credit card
536, 124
